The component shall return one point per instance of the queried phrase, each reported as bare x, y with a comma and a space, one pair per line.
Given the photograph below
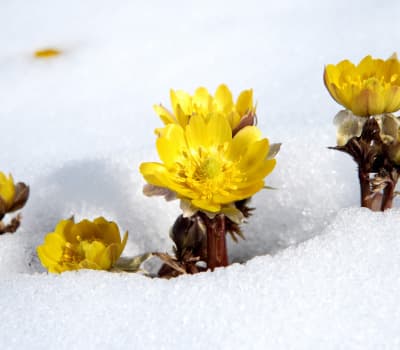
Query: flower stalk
378, 173
365, 189
217, 254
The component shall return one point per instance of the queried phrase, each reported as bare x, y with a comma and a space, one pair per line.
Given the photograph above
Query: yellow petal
201, 100
244, 103
166, 116
7, 189
155, 174
182, 99
108, 231
171, 144
393, 99
92, 249
181, 116
218, 131
261, 170
223, 100
196, 132
234, 119
255, 151
243, 139
84, 230
107, 259
50, 253
207, 205
63, 227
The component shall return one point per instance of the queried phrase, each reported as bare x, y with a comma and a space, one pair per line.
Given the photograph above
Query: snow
316, 272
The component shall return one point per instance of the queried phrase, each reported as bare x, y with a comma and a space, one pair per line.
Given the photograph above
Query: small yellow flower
372, 87
85, 245
184, 106
7, 190
46, 53
207, 166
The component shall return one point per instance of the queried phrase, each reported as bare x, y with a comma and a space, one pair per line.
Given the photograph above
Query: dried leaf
132, 264
274, 148
389, 126
21, 196
152, 190
171, 262
247, 120
12, 226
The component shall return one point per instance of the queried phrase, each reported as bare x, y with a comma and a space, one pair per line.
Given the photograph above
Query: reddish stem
216, 242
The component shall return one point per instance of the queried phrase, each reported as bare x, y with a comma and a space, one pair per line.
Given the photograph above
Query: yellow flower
204, 164
7, 190
370, 88
85, 245
46, 53
184, 106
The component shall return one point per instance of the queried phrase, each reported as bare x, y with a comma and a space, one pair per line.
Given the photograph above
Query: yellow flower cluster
206, 159
88, 244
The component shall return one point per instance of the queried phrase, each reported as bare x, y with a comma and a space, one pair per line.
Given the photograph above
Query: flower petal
166, 116
170, 144
223, 100
108, 231
244, 103
7, 189
201, 101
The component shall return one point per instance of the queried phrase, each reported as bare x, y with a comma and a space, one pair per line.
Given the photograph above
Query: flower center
210, 168
208, 171
70, 254
84, 249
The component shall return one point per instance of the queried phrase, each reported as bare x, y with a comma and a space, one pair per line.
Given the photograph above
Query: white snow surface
315, 271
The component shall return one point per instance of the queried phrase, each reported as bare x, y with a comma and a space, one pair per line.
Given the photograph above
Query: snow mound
338, 290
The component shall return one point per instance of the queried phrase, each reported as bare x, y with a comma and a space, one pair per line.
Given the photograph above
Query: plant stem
365, 189
216, 242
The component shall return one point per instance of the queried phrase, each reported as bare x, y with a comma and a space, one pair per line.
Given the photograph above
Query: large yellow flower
202, 103
85, 245
372, 87
204, 164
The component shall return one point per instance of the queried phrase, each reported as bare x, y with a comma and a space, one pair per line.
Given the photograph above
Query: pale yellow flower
85, 245
372, 87
205, 165
202, 103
